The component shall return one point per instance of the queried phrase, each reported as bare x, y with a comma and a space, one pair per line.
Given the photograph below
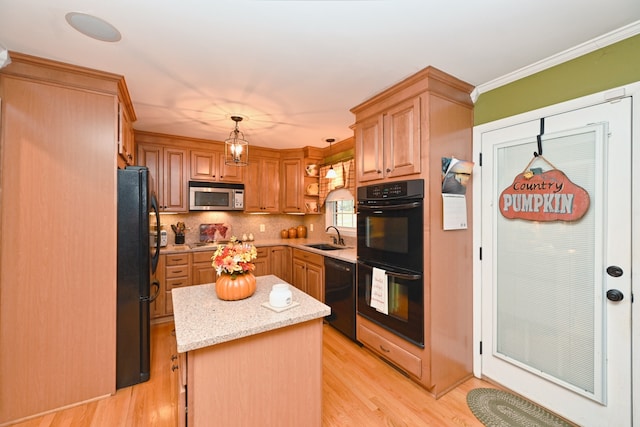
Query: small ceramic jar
293, 233
280, 295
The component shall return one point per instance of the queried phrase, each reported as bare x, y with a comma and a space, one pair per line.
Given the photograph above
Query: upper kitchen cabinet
262, 182
299, 187
393, 129
209, 166
168, 170
57, 296
126, 117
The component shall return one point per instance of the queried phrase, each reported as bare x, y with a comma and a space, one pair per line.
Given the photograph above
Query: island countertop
202, 319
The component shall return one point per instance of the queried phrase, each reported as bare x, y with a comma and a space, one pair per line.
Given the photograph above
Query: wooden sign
548, 196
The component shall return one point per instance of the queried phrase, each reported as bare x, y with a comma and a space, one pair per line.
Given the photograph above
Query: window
340, 212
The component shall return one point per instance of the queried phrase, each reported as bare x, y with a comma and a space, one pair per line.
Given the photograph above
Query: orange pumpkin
230, 289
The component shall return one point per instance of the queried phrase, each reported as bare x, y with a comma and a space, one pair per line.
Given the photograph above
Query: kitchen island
243, 364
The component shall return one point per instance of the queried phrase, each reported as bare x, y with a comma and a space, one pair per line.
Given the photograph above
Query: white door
549, 332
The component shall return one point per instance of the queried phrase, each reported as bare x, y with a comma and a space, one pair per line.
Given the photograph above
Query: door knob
614, 271
614, 295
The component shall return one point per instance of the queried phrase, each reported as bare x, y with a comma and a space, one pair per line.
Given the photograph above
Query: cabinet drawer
390, 351
204, 256
179, 282
178, 259
177, 271
262, 252
308, 256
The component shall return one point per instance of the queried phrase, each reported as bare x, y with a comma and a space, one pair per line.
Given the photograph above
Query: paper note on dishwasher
380, 290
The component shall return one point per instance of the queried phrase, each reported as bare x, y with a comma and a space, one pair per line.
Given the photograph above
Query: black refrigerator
137, 261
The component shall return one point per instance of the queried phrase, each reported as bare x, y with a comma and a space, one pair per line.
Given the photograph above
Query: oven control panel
393, 190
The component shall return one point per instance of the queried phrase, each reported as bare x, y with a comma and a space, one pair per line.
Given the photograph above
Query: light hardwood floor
358, 390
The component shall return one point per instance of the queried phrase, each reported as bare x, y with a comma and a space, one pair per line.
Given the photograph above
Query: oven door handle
402, 206
404, 276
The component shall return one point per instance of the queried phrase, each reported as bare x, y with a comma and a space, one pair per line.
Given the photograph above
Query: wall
609, 67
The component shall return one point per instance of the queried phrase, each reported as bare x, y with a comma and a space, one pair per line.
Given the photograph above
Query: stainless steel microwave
215, 196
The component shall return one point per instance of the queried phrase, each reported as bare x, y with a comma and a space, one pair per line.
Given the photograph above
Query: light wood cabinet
405, 131
262, 262
57, 296
157, 307
177, 275
201, 269
262, 185
292, 185
126, 140
209, 166
389, 142
280, 262
308, 273
168, 170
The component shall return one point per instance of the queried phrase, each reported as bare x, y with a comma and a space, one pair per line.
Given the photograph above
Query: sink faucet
339, 240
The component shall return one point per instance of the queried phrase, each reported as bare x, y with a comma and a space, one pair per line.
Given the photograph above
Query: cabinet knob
388, 170
173, 357
174, 367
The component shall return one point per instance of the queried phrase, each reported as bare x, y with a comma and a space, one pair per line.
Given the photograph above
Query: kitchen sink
326, 247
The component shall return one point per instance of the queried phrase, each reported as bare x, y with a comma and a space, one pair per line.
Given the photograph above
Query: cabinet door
230, 173
203, 166
280, 261
157, 306
315, 281
292, 191
262, 185
175, 180
299, 274
202, 273
271, 185
402, 139
369, 148
151, 156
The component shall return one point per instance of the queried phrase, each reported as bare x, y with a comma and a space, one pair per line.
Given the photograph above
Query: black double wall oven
391, 239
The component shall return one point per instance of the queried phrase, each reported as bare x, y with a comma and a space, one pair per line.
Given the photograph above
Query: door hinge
480, 159
480, 253
480, 347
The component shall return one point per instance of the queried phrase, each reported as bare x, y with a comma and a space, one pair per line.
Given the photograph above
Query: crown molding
559, 58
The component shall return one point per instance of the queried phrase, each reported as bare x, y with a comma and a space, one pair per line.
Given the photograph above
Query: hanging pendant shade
236, 148
331, 173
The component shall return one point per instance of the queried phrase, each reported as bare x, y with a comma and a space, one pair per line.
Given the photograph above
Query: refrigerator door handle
156, 255
152, 298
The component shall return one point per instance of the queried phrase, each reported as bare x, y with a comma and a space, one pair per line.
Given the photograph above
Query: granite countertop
202, 320
348, 254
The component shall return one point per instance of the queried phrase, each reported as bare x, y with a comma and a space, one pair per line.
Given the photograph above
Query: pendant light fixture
331, 173
236, 148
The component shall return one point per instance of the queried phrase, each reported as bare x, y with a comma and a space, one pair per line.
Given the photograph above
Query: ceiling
293, 68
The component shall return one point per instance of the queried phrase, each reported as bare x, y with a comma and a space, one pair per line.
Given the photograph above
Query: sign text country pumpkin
549, 196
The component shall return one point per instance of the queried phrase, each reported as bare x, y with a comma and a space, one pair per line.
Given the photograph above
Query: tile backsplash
242, 223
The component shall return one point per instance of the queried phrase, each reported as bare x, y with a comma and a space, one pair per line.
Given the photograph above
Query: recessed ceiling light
93, 27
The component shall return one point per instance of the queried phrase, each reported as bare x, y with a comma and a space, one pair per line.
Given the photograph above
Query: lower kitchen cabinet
177, 275
308, 273
280, 262
262, 262
157, 306
201, 269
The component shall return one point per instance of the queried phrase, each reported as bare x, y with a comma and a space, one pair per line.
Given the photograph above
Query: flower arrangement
234, 258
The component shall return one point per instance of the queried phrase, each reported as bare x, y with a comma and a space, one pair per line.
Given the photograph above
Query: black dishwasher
340, 295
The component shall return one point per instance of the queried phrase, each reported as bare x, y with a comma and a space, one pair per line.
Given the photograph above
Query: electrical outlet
262, 227
311, 227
